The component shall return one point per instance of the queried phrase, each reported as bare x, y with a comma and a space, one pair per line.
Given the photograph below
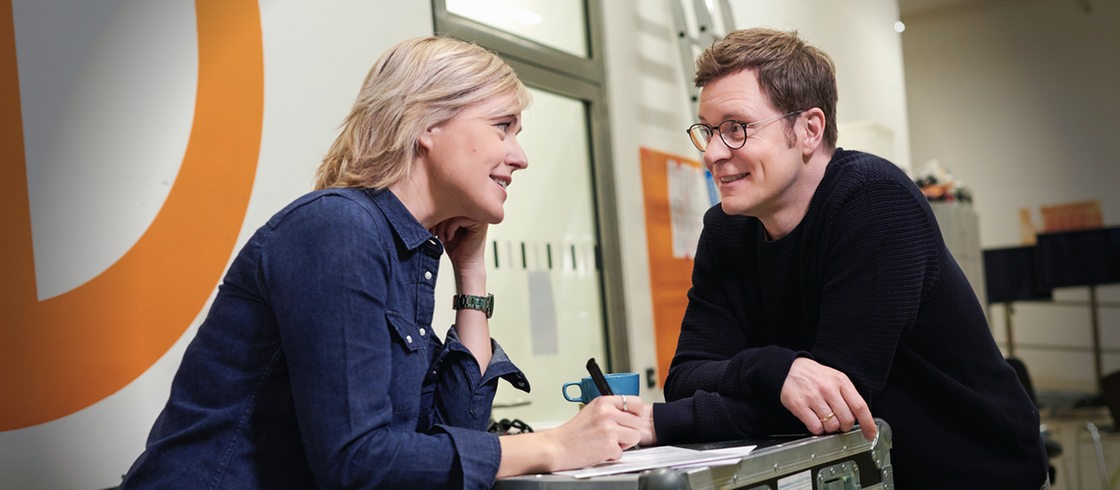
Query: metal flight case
831, 462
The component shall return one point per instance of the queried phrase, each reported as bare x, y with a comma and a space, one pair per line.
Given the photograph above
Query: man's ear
813, 130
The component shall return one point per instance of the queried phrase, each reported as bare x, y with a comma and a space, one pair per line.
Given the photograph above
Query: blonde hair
794, 74
413, 86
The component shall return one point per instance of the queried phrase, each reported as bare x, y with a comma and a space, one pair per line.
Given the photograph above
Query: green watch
484, 304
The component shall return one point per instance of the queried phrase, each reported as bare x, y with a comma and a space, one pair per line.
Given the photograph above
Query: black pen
598, 378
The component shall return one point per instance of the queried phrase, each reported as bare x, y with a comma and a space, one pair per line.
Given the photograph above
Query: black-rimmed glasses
732, 132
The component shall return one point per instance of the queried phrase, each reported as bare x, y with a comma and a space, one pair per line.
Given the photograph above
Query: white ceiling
915, 7
911, 7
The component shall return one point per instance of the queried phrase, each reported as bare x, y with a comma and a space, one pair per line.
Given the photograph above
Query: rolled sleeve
465, 394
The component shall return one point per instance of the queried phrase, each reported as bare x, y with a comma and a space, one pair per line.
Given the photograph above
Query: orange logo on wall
68, 352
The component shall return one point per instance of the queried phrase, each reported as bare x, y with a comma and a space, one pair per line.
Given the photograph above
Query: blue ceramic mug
620, 383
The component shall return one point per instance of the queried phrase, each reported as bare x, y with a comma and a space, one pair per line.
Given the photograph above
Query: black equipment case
831, 462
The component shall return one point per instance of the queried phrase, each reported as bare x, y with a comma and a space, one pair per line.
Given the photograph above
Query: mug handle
564, 389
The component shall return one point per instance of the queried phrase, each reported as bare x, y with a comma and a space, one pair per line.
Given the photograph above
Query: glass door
554, 261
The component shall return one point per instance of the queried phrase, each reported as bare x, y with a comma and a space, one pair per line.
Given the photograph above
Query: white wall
860, 38
315, 56
1018, 100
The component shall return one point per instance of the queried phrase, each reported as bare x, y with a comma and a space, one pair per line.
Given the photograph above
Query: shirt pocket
408, 367
406, 333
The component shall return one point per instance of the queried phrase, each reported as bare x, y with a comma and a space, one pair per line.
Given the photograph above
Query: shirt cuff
479, 455
500, 364
674, 422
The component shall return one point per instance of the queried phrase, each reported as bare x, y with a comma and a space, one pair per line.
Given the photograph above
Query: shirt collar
410, 231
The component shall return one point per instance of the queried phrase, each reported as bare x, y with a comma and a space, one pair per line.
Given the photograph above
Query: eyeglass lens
733, 133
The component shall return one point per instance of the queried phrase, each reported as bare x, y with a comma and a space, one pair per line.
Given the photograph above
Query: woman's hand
599, 432
647, 431
465, 242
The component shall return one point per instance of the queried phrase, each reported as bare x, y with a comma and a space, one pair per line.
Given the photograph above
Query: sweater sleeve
716, 371
880, 260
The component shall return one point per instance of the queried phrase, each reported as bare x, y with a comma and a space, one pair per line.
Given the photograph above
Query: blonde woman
318, 365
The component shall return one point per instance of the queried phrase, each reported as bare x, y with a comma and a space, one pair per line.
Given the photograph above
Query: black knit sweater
865, 285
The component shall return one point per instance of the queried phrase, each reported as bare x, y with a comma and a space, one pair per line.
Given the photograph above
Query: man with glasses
823, 294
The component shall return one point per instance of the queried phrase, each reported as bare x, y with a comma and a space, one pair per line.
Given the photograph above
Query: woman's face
472, 158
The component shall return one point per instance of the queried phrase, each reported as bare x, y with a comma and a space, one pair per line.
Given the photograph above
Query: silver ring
624, 404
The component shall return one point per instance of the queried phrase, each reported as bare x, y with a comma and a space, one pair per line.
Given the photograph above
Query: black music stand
1081, 258
1010, 275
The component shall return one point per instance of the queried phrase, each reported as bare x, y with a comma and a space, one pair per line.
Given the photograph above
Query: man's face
763, 177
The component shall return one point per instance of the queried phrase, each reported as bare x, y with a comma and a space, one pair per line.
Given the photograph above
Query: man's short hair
792, 73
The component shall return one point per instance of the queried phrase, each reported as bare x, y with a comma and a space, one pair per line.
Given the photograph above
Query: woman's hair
793, 74
417, 84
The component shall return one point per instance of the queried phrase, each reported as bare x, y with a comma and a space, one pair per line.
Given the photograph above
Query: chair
1110, 393
1082, 215
1053, 449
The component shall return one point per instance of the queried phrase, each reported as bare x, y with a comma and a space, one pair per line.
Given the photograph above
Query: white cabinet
961, 228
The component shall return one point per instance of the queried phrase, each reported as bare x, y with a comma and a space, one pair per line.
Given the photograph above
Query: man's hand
825, 400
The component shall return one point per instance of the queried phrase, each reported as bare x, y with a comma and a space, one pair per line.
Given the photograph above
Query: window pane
561, 24
542, 267
549, 235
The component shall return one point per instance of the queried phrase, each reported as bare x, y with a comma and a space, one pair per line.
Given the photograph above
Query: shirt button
422, 332
408, 338
428, 275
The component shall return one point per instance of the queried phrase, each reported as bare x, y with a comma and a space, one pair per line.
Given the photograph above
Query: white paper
688, 200
730, 455
658, 457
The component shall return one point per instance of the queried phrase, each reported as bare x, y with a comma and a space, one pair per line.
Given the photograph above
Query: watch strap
484, 304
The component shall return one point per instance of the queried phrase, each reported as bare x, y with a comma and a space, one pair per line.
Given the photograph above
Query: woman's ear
425, 139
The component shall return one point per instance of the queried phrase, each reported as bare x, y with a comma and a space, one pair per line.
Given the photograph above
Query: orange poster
677, 193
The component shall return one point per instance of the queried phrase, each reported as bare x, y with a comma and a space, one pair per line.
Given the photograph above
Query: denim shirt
317, 366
